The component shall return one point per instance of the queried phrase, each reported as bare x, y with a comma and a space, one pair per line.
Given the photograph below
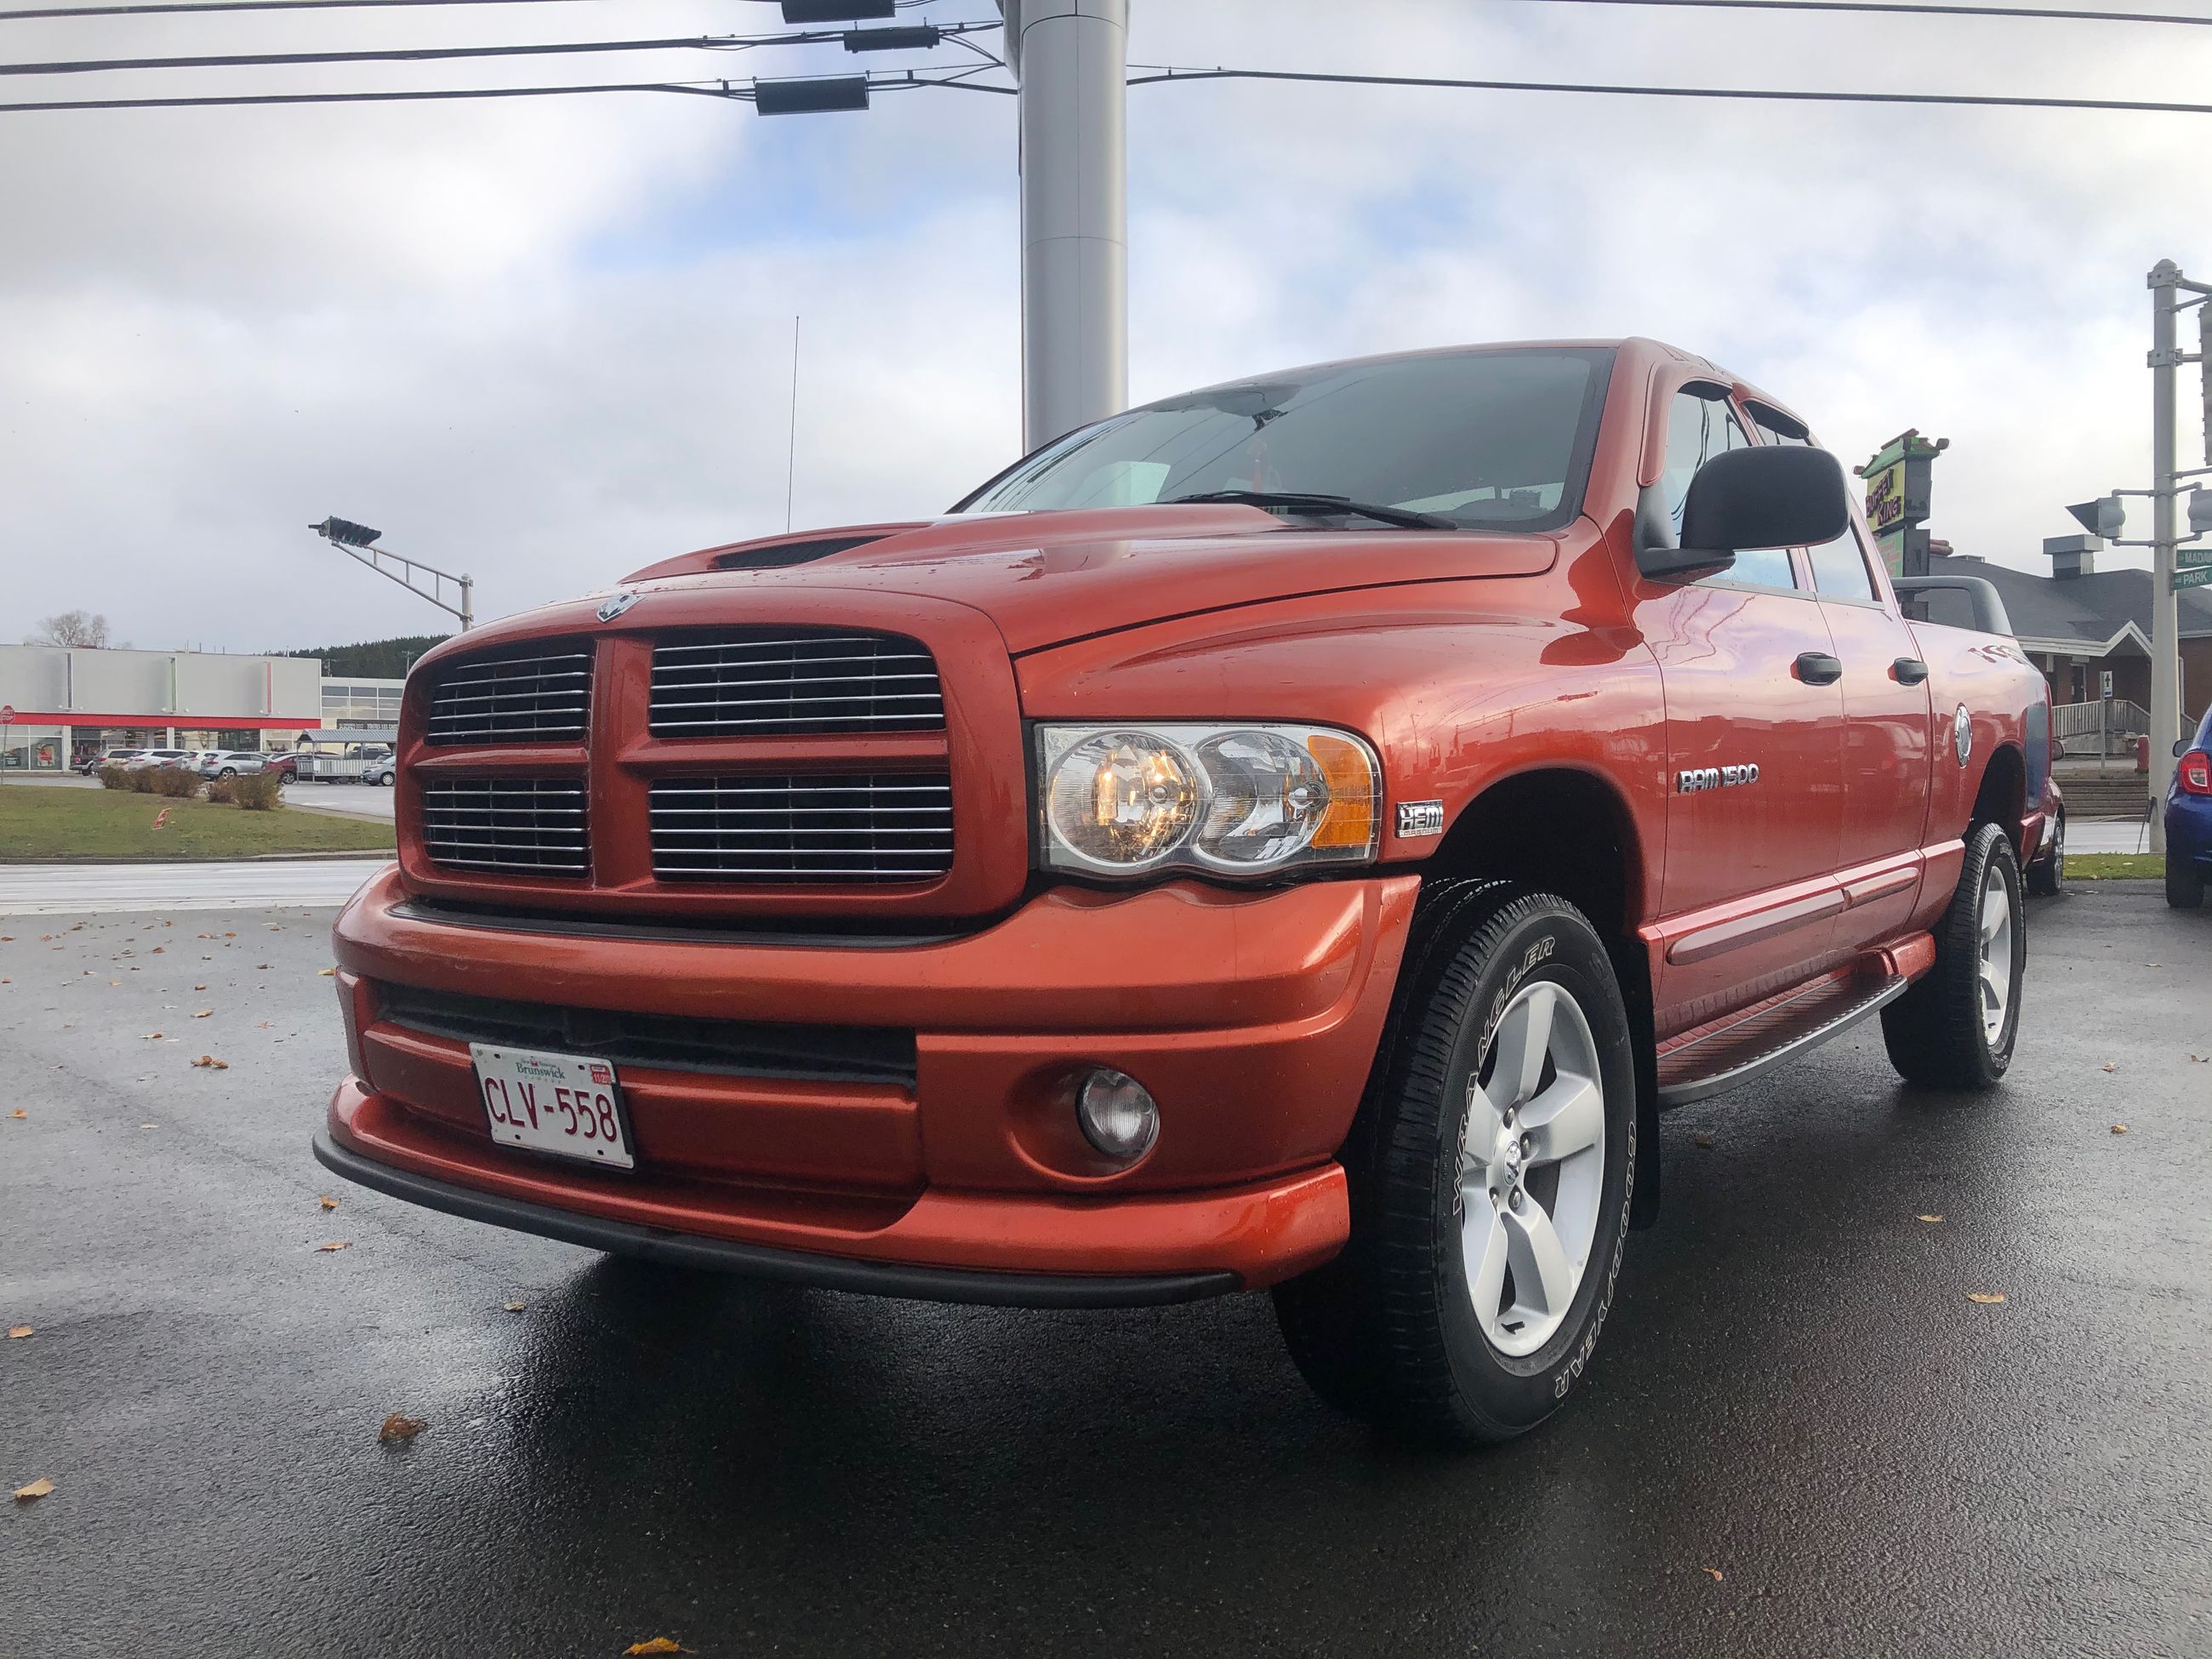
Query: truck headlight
1229, 800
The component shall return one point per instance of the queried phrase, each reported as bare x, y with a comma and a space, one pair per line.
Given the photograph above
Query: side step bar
1702, 1062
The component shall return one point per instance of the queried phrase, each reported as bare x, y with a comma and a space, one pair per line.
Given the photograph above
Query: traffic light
836, 11
345, 533
2105, 516
810, 96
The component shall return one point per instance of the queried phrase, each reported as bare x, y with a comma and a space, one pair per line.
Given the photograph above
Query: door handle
1910, 670
1818, 668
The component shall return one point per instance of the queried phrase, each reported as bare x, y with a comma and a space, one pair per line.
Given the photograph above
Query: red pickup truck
1299, 834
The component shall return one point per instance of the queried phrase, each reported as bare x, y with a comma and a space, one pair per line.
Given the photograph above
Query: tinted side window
1699, 428
1839, 570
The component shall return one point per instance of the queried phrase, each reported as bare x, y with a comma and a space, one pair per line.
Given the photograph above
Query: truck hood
1048, 578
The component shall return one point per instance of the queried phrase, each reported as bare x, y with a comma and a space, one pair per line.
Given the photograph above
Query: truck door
1886, 733
1754, 732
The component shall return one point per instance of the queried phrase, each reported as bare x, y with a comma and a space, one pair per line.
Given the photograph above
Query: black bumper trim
828, 1272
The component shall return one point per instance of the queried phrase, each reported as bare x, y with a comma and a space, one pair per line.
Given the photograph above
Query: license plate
567, 1104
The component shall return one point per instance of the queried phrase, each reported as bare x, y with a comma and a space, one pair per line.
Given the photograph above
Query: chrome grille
542, 695
524, 826
766, 682
838, 826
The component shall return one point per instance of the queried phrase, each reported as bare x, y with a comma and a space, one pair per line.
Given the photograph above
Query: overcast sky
549, 340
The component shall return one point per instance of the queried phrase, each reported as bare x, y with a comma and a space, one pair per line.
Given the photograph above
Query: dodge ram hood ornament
614, 604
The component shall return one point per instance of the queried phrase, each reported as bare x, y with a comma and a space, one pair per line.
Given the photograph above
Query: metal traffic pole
2165, 282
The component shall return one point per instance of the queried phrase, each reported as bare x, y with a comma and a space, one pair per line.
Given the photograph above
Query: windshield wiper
1294, 501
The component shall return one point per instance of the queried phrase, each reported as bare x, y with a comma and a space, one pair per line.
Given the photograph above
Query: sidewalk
53, 890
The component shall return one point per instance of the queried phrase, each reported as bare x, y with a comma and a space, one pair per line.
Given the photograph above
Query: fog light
1118, 1115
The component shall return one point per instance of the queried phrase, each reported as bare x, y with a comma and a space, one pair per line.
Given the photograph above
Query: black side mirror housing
1775, 495
2180, 747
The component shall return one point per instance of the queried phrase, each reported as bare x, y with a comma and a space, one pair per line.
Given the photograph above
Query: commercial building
70, 704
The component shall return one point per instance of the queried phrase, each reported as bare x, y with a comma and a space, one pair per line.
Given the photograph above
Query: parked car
146, 758
91, 764
285, 762
2189, 821
230, 762
382, 770
2046, 868
1319, 822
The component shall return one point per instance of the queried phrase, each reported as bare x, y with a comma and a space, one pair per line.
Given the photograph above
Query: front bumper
1253, 1017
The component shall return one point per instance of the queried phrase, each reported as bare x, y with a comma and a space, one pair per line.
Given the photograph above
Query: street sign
2186, 556
2197, 578
7, 713
2105, 684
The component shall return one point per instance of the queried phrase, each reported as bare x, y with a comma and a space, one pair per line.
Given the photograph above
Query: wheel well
1568, 833
2002, 797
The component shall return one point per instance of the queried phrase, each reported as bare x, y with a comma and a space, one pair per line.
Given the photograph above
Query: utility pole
2167, 284
1070, 59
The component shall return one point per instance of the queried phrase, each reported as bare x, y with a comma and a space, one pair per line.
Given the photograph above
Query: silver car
230, 762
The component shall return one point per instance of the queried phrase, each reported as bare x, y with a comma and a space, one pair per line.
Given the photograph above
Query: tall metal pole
1071, 59
2165, 632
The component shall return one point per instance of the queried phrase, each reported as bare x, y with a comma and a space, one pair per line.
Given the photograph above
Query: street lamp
358, 542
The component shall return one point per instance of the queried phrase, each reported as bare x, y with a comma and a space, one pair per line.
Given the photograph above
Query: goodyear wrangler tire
1492, 1169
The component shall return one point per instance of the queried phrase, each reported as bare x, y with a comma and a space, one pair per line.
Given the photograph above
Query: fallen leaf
208, 1062
1986, 1297
19, 1331
658, 1645
157, 949
1704, 1141
204, 1013
2109, 1067
150, 1036
396, 1428
516, 1307
2202, 1060
1931, 1218
2154, 964
149, 1125
329, 1203
18, 1112
325, 973
37, 1488
2119, 1128
1715, 1572
335, 1244
199, 988
263, 1026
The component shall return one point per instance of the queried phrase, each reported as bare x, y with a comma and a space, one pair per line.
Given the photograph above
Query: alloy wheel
1997, 957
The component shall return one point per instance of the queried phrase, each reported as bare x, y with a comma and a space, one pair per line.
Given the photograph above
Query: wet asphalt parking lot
1799, 1436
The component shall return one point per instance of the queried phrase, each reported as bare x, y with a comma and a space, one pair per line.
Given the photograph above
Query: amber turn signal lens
1349, 820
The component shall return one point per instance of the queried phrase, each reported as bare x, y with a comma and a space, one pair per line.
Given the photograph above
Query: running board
1711, 1058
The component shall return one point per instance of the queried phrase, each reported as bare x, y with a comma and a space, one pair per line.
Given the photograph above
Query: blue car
2189, 822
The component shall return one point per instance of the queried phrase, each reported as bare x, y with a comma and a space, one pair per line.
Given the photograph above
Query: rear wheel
2047, 875
1491, 1171
2185, 882
1956, 1028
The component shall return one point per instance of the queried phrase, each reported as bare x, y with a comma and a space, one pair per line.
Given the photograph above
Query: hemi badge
1420, 817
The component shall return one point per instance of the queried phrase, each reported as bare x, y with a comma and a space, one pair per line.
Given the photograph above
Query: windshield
1487, 440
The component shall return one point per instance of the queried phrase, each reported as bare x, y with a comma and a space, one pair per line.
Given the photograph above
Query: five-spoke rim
1532, 1168
1997, 957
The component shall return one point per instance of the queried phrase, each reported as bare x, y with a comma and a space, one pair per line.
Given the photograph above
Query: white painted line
52, 890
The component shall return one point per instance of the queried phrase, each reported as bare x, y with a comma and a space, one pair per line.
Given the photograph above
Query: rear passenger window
1699, 426
1839, 568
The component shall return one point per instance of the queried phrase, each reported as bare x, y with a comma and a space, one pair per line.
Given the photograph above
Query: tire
2185, 882
227, 772
1395, 1329
2048, 877
1941, 1033
384, 779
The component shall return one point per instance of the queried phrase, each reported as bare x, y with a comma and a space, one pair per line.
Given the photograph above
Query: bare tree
77, 627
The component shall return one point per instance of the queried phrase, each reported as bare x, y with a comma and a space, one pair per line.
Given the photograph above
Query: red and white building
71, 704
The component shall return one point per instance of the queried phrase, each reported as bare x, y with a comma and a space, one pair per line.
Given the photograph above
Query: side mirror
1777, 496
2180, 747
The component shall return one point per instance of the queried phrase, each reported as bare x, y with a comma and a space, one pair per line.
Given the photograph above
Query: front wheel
1491, 1173
1956, 1027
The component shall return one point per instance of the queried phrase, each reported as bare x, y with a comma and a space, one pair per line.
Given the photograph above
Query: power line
1914, 7
730, 91
173, 7
1969, 100
425, 54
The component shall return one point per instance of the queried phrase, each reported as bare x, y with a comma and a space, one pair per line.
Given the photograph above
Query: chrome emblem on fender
613, 606
1962, 733
1420, 817
1693, 778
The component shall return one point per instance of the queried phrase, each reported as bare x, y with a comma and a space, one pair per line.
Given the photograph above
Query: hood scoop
778, 555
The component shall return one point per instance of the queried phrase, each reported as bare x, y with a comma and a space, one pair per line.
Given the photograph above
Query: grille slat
538, 825
545, 696
843, 1053
760, 683
839, 826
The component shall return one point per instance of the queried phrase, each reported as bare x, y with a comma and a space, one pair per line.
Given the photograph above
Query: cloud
548, 341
